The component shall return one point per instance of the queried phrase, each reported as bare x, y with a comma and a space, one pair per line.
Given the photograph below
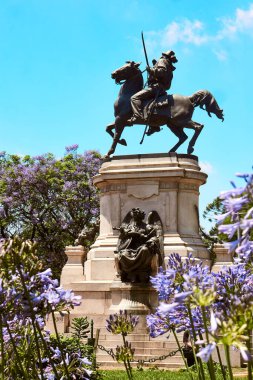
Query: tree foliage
49, 200
211, 212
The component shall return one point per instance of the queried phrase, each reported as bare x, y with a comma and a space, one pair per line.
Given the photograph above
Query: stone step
136, 337
101, 355
137, 330
162, 364
142, 338
103, 330
142, 344
137, 341
146, 351
133, 337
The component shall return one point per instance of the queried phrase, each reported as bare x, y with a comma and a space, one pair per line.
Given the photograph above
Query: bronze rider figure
160, 78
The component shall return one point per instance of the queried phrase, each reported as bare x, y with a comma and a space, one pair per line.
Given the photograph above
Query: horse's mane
201, 97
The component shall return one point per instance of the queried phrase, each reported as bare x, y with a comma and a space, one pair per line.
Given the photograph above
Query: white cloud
187, 31
241, 23
193, 32
206, 167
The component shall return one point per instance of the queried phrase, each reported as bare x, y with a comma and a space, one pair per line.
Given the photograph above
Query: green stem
127, 370
127, 361
93, 348
2, 348
16, 259
249, 365
210, 361
226, 347
49, 353
91, 329
33, 318
29, 357
182, 354
19, 362
60, 346
221, 364
38, 348
198, 362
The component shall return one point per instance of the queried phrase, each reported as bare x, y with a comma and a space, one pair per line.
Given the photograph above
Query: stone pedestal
223, 258
134, 298
73, 269
166, 183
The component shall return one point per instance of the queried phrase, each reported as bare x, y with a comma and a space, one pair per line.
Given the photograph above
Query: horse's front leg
197, 129
116, 138
109, 129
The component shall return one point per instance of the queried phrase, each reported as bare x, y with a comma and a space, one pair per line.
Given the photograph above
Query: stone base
134, 298
73, 270
100, 298
223, 258
166, 183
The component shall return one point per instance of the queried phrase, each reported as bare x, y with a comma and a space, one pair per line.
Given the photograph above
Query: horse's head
219, 114
125, 72
213, 107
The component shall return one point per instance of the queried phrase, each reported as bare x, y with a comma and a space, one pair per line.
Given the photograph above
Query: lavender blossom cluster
237, 222
122, 323
49, 200
215, 308
27, 297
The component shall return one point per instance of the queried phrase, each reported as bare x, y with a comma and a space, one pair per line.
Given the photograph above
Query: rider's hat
170, 55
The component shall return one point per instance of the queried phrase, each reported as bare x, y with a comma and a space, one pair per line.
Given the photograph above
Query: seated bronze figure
140, 246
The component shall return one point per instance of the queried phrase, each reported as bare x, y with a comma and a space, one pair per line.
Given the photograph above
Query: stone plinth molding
222, 258
166, 183
73, 269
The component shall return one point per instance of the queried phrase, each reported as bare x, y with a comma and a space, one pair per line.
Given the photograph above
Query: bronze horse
176, 114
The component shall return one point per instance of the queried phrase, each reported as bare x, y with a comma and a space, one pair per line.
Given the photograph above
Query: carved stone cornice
113, 187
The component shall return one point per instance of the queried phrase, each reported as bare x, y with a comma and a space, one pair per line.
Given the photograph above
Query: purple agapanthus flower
165, 308
181, 297
163, 283
213, 322
229, 229
206, 352
121, 323
246, 355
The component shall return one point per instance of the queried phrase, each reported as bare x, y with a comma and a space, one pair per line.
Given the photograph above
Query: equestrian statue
152, 106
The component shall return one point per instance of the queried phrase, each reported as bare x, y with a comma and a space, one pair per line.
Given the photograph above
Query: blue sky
56, 57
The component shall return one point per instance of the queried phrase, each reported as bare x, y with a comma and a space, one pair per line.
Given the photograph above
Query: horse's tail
205, 100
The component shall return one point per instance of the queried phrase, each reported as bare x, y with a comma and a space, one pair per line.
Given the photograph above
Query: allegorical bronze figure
140, 246
153, 107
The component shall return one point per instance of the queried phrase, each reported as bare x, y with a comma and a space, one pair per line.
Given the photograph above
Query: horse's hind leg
109, 129
178, 131
197, 129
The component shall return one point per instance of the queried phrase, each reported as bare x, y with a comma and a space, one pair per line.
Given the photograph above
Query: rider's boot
135, 120
153, 129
